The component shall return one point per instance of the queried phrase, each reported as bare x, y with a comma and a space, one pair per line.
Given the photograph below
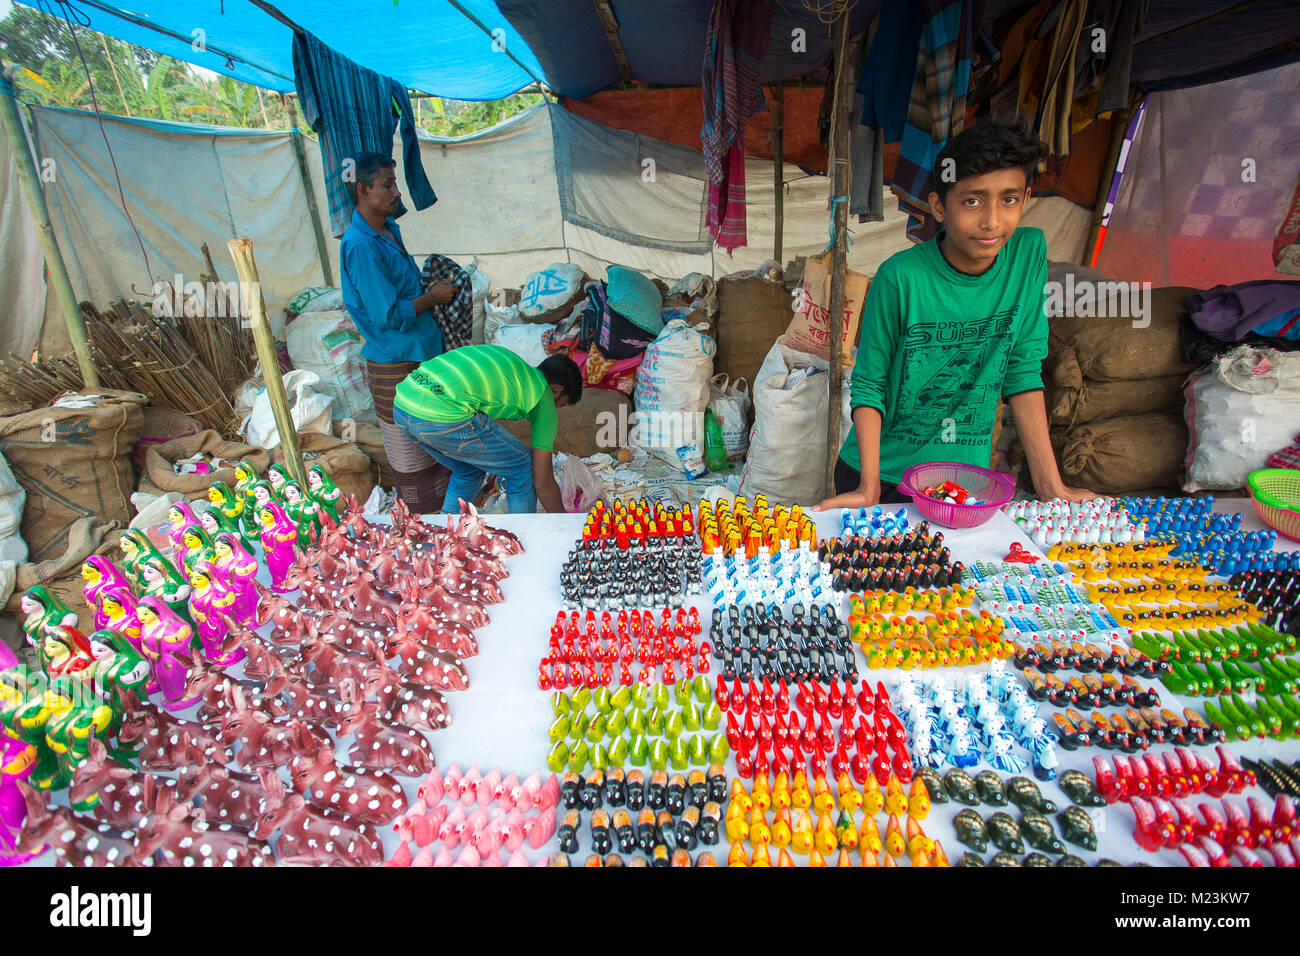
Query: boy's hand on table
866, 495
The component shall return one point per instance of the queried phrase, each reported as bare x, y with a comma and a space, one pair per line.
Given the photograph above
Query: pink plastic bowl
994, 487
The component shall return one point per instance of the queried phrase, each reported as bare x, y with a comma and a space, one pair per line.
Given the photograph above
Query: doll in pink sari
179, 517
212, 605
17, 758
165, 642
279, 535
238, 571
101, 576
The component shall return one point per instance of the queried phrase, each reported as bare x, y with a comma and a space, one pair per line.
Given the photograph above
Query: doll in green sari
323, 491
136, 549
25, 719
302, 511
230, 504
245, 478
118, 667
41, 611
276, 476
198, 547
160, 579
76, 717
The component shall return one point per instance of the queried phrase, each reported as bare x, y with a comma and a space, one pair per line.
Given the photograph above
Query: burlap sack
370, 440
73, 463
1120, 455
595, 424
1111, 349
61, 573
752, 312
159, 476
160, 426
1074, 400
347, 464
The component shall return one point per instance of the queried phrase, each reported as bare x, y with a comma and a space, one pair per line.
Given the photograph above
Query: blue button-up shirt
380, 278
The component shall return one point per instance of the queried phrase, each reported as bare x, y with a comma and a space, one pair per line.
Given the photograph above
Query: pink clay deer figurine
311, 836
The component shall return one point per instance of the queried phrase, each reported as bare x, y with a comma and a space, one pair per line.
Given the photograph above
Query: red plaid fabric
1288, 457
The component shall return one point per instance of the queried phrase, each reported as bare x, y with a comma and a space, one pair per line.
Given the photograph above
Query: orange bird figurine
918, 800
895, 845
784, 858
850, 800
869, 836
760, 856
844, 858
824, 836
737, 855
822, 800
895, 800
917, 841
873, 801
782, 830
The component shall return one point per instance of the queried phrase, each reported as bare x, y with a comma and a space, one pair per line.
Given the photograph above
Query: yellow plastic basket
1276, 495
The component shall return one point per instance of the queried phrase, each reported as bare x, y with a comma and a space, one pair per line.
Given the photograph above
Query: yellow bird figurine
824, 835
760, 856
759, 832
782, 829
917, 841
869, 836
737, 855
822, 800
801, 832
895, 799
895, 845
800, 795
850, 801
843, 859
873, 801
918, 800
781, 791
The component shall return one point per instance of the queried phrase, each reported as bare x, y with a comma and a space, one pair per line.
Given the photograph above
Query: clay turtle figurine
1076, 827
971, 830
1038, 833
1024, 793
1036, 859
970, 859
990, 788
1004, 859
1078, 786
933, 784
961, 787
1070, 860
1004, 832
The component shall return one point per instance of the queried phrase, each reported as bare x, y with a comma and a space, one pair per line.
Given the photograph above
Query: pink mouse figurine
549, 795
512, 830
475, 823
504, 792
401, 856
443, 858
431, 790
486, 791
469, 785
452, 827
524, 798
518, 859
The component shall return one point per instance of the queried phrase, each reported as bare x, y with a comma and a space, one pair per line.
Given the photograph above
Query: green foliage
132, 81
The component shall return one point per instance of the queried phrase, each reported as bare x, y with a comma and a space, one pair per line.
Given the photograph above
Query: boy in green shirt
448, 404
951, 325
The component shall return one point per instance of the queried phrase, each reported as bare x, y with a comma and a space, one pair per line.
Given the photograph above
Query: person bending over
950, 326
448, 405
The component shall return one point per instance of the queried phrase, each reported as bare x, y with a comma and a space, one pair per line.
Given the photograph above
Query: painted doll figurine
231, 505
16, 761
160, 579
277, 475
238, 569
65, 652
179, 517
75, 718
302, 511
198, 547
323, 491
245, 478
119, 611
42, 610
101, 575
279, 535
212, 605
214, 522
25, 720
118, 666
165, 640
136, 550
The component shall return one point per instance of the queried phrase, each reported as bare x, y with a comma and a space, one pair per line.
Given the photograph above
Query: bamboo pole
841, 122
26, 163
113, 69
1120, 128
241, 250
778, 166
304, 171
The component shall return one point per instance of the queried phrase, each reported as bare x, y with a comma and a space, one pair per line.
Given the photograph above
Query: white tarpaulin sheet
22, 267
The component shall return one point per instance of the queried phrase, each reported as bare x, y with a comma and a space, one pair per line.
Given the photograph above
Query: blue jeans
471, 449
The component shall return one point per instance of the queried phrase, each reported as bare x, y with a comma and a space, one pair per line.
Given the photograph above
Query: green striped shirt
457, 385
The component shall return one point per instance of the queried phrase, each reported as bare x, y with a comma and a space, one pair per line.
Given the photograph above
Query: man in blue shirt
384, 296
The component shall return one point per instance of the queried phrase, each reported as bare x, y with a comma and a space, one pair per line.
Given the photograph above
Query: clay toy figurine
116, 794
198, 547
321, 488
74, 841
990, 788
276, 476
279, 536
1038, 833
238, 571
42, 610
101, 575
136, 549
370, 795
65, 652
245, 478
182, 836
231, 506
1004, 832
961, 787
1079, 788
311, 836
1024, 793
16, 760
118, 664
119, 611
72, 719
179, 517
215, 522
212, 606
1076, 827
160, 579
165, 642
971, 830
302, 511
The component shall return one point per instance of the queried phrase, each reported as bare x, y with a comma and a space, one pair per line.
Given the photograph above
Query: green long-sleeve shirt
939, 347
457, 385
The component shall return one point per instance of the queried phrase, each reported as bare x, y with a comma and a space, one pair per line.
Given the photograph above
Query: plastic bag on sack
730, 402
549, 288
579, 488
496, 318
480, 284
790, 405
672, 392
309, 408
327, 344
1240, 409
526, 341
320, 298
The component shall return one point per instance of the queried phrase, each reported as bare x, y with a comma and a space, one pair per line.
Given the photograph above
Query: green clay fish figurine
970, 859
961, 787
1070, 860
1004, 832
971, 830
1036, 859
990, 788
1038, 833
1024, 793
933, 784
1076, 827
1004, 859
1078, 786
